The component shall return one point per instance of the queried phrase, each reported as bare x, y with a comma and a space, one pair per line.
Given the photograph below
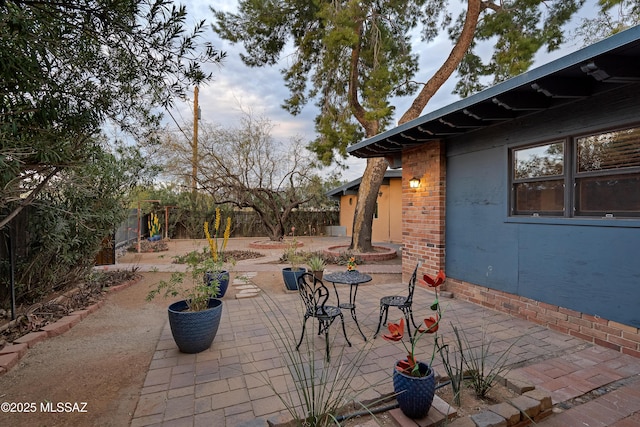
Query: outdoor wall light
414, 182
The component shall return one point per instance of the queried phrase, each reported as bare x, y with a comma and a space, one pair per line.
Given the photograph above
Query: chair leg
412, 320
406, 313
304, 325
383, 312
326, 342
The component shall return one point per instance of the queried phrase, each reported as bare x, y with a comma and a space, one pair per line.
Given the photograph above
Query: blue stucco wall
587, 265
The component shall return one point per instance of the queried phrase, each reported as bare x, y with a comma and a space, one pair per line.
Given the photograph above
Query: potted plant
352, 264
217, 254
290, 274
194, 319
316, 266
414, 381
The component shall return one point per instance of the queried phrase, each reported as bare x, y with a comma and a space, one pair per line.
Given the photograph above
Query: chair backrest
412, 285
313, 292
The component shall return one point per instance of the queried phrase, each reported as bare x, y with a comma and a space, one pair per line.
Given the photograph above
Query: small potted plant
316, 266
294, 258
195, 318
352, 265
413, 380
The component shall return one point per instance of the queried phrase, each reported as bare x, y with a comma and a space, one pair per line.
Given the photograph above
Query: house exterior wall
575, 275
387, 226
423, 209
347, 211
395, 210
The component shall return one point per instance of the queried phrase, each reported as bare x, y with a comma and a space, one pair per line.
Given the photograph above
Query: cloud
262, 90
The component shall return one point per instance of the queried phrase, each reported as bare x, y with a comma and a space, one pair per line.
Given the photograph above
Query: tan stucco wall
387, 227
347, 210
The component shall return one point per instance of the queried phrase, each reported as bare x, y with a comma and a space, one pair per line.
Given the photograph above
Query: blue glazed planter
223, 281
194, 331
291, 277
414, 394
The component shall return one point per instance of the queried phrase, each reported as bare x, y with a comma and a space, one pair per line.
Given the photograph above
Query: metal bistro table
353, 279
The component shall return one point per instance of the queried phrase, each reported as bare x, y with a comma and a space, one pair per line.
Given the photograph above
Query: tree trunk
366, 205
376, 167
449, 66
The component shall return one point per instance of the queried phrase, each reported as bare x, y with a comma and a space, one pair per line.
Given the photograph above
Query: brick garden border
529, 407
11, 354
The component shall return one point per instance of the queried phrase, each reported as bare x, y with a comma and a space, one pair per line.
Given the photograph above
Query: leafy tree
352, 57
67, 225
615, 16
67, 69
247, 168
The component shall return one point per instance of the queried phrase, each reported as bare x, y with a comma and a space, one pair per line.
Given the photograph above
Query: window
596, 175
538, 179
608, 174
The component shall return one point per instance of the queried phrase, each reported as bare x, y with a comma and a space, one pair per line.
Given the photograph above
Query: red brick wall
607, 333
423, 209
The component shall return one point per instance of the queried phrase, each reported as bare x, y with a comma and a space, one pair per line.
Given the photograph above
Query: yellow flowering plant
154, 225
352, 264
197, 294
215, 249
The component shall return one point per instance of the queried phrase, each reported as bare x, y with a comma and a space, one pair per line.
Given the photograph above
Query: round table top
347, 277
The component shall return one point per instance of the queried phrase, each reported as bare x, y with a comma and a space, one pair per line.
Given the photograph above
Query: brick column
423, 209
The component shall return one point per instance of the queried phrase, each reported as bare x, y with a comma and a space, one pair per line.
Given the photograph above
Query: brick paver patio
234, 383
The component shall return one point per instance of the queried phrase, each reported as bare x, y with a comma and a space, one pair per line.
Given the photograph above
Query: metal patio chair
403, 302
314, 295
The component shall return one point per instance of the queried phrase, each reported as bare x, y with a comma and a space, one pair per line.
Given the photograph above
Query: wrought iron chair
404, 303
314, 295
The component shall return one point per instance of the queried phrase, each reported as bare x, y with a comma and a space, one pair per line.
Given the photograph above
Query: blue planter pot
194, 331
290, 277
415, 394
223, 281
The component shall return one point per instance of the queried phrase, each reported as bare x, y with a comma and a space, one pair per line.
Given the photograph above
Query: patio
227, 385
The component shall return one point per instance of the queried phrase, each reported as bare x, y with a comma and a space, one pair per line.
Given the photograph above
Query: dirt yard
92, 374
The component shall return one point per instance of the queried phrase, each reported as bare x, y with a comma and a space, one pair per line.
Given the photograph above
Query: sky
262, 90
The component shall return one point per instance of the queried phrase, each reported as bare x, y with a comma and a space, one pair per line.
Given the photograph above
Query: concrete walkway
243, 378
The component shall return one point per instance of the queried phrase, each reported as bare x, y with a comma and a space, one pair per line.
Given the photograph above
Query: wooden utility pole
194, 146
